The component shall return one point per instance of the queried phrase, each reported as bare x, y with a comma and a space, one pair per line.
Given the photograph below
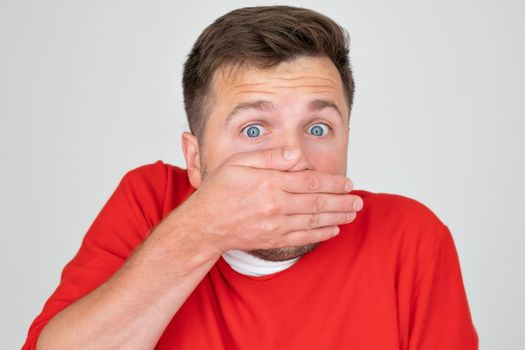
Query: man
257, 245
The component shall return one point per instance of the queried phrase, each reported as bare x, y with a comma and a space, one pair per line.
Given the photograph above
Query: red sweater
390, 280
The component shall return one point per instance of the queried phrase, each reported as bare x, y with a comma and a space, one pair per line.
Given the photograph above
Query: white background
92, 89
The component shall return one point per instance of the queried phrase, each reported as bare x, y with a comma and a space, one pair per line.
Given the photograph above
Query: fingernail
335, 230
358, 204
348, 186
350, 216
290, 153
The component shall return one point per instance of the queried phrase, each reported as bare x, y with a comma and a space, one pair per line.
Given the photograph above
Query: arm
108, 298
132, 309
123, 224
441, 317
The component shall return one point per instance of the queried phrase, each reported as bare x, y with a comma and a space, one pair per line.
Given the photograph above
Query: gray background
89, 90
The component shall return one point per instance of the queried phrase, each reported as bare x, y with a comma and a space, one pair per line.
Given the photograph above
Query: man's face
295, 104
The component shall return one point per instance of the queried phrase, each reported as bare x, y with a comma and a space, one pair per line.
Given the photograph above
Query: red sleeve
126, 219
441, 317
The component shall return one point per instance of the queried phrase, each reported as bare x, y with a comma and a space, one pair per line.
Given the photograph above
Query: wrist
183, 235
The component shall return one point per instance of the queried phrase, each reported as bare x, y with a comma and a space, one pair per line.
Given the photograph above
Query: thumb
271, 158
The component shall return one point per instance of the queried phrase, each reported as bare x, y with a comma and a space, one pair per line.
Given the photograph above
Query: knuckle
265, 185
268, 156
271, 209
314, 220
276, 241
318, 203
304, 239
270, 226
312, 182
269, 243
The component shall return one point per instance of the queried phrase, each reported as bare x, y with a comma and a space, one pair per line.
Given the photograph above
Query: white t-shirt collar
248, 264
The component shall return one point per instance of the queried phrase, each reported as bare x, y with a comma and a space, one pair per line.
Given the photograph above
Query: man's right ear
190, 147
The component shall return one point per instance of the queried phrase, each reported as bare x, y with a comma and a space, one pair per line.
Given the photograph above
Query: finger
310, 181
297, 203
314, 220
304, 237
269, 158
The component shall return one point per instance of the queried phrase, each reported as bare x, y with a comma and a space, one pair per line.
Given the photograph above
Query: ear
190, 147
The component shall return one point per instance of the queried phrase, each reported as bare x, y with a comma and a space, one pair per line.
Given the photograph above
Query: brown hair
263, 37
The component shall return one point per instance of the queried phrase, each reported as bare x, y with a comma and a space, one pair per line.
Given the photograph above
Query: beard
282, 254
272, 254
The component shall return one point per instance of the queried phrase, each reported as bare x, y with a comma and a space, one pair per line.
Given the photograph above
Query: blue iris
317, 130
253, 131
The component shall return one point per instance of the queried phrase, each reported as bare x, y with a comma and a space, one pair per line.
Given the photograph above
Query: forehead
303, 76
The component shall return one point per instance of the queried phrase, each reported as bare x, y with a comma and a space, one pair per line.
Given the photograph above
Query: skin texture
285, 119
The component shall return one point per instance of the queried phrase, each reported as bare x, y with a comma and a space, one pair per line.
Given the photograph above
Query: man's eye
252, 131
319, 129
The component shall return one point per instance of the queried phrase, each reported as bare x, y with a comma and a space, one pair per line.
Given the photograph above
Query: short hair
262, 37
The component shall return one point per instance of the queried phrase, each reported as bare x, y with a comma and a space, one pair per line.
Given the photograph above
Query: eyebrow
319, 105
266, 106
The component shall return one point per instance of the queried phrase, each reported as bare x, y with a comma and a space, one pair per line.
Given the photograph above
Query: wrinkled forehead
303, 74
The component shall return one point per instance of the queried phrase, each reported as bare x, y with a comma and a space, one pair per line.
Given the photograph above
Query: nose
304, 161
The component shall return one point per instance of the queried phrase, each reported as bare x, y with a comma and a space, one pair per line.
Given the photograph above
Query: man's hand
251, 201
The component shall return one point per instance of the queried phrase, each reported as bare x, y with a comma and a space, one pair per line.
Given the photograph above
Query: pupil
317, 130
253, 131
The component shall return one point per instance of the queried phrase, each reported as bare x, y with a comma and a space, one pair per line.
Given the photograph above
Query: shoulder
156, 173
157, 185
400, 222
397, 207
156, 176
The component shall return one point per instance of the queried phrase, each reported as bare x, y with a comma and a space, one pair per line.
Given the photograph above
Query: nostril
302, 164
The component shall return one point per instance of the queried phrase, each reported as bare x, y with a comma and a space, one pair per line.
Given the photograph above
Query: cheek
331, 158
334, 163
216, 153
218, 147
